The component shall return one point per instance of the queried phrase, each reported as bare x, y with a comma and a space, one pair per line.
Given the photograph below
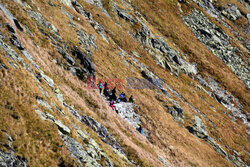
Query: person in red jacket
111, 104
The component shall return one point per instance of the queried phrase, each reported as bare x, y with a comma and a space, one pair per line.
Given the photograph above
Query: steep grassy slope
198, 115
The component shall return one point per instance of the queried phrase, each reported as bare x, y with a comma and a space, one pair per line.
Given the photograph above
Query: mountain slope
186, 63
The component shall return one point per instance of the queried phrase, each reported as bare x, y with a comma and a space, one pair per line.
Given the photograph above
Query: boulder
197, 128
177, 112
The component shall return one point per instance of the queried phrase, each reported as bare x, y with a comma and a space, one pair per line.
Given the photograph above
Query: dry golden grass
167, 138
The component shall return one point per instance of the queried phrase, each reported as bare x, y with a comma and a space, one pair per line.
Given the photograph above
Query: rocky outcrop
226, 99
218, 43
102, 132
100, 29
126, 111
10, 160
41, 21
197, 128
123, 14
14, 40
44, 103
165, 55
177, 113
90, 156
93, 148
10, 52
232, 12
85, 62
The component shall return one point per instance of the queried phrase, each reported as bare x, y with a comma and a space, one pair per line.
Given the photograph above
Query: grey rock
14, 40
100, 29
66, 56
73, 111
209, 7
48, 80
226, 99
10, 160
10, 52
88, 41
197, 128
6, 12
80, 9
177, 112
124, 15
167, 56
126, 111
144, 35
64, 129
216, 146
82, 135
81, 73
232, 12
42, 21
27, 55
153, 81
41, 114
99, 4
58, 94
218, 43
88, 65
248, 17
67, 2
70, 16
163, 161
44, 93
44, 103
3, 66
102, 132
47, 116
93, 148
77, 151
1, 36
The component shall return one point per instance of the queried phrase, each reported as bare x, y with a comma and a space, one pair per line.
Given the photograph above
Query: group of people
111, 95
